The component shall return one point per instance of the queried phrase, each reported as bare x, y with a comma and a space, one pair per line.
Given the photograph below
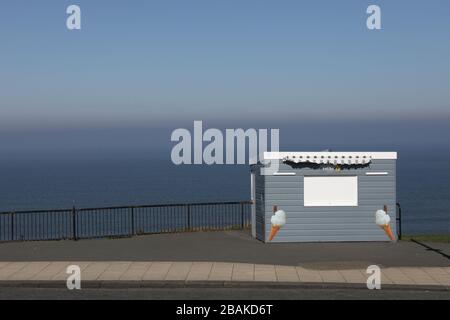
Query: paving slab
29, 271
157, 271
94, 270
354, 276
286, 274
49, 272
397, 276
10, 269
200, 271
331, 276
221, 271
3, 264
385, 278
265, 273
243, 272
308, 275
179, 271
135, 271
440, 275
419, 276
115, 271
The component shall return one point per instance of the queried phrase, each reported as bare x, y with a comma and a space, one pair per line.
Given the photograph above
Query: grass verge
428, 238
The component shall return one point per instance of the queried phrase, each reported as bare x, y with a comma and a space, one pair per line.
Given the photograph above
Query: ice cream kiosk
324, 196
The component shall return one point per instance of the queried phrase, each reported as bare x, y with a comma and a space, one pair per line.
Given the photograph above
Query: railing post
399, 218
188, 217
12, 225
74, 224
133, 231
242, 215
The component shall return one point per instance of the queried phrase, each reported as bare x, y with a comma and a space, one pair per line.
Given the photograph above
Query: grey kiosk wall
327, 196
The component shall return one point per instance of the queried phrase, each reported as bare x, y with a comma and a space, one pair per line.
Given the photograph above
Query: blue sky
154, 60
166, 63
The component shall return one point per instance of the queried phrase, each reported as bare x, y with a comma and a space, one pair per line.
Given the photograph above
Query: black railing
399, 221
85, 223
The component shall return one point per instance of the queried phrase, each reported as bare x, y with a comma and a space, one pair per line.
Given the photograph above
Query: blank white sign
330, 191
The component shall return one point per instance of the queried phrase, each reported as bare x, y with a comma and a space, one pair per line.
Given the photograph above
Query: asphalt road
219, 294
232, 246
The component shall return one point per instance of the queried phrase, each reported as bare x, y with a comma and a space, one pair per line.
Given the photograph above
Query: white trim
284, 173
371, 155
384, 173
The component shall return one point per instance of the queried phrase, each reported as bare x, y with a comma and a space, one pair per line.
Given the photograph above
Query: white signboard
330, 191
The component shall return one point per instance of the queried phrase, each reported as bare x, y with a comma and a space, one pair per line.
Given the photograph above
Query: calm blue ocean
124, 178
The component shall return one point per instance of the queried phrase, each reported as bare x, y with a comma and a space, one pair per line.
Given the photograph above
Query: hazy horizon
294, 136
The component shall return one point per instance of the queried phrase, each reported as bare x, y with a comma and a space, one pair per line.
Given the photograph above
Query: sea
118, 178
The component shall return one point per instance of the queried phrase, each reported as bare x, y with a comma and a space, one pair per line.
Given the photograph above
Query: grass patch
429, 238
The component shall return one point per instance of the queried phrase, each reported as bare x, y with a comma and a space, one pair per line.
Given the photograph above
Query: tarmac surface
222, 294
232, 246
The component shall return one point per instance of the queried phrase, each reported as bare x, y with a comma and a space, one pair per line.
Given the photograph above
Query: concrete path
213, 272
232, 246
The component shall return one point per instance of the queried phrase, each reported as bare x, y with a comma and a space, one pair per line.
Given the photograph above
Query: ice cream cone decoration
278, 220
382, 219
273, 232
387, 229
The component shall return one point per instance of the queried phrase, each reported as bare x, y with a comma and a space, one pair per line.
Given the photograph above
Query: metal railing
399, 221
126, 221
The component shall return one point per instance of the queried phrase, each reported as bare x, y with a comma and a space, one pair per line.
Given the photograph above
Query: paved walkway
232, 246
126, 271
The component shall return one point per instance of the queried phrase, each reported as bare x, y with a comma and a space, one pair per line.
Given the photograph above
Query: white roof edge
372, 155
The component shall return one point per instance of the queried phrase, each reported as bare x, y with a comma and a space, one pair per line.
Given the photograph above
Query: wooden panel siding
311, 224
